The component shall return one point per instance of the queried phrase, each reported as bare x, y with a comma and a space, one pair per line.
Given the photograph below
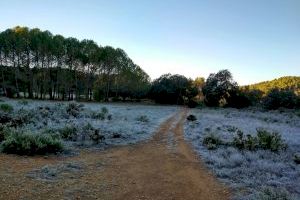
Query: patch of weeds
4, 131
142, 118
74, 109
231, 128
6, 108
116, 135
23, 102
96, 137
25, 143
191, 118
99, 115
212, 141
102, 114
296, 158
242, 142
69, 132
53, 172
104, 110
271, 141
207, 129
263, 140
21, 117
269, 193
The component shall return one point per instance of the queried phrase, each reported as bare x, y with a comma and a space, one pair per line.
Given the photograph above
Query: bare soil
163, 168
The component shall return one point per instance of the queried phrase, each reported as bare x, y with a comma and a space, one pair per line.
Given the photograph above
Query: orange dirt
162, 168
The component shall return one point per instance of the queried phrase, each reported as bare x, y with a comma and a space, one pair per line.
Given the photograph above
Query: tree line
38, 64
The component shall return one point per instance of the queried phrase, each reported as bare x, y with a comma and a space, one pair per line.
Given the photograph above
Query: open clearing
165, 167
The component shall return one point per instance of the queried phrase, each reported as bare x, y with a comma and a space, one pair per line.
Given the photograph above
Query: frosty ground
119, 124
259, 174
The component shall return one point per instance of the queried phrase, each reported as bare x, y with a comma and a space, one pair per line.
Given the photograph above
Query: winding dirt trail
164, 168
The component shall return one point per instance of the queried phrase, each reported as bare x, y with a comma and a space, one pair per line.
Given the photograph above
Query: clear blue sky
255, 39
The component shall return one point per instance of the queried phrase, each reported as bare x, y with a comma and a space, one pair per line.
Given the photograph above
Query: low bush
191, 118
280, 98
102, 114
23, 102
263, 140
271, 141
74, 109
96, 137
212, 141
24, 143
69, 132
104, 110
142, 118
3, 132
99, 115
6, 108
296, 159
242, 142
269, 193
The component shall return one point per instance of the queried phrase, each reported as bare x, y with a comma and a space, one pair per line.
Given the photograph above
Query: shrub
191, 118
23, 102
74, 109
102, 114
21, 117
212, 141
6, 108
142, 118
271, 141
24, 143
269, 193
69, 132
296, 158
99, 115
241, 142
280, 98
97, 137
3, 132
109, 117
104, 110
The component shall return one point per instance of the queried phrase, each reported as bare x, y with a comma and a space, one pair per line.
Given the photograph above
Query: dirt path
163, 168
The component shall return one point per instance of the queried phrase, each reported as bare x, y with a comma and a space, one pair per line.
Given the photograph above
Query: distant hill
286, 82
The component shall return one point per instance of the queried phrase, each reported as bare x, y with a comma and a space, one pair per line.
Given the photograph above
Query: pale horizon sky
256, 40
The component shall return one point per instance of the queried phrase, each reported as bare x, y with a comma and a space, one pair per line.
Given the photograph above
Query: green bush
6, 107
263, 140
242, 142
24, 143
270, 141
212, 141
280, 98
69, 132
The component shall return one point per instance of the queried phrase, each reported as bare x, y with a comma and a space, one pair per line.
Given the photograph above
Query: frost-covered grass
95, 124
259, 174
